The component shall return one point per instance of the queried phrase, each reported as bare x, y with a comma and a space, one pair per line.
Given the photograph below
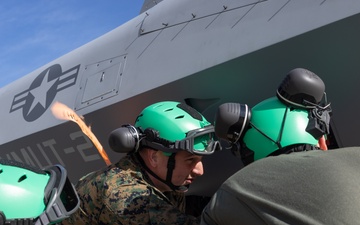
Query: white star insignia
38, 93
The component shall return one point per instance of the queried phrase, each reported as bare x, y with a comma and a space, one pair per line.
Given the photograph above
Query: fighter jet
201, 52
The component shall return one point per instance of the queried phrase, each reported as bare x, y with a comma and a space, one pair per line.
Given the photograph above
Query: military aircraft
204, 53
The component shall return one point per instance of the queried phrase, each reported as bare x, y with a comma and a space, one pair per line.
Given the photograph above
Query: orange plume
63, 112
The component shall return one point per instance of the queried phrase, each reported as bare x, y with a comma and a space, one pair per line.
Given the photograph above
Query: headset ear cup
231, 121
124, 139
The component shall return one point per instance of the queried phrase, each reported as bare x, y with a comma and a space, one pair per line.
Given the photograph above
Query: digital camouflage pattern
123, 194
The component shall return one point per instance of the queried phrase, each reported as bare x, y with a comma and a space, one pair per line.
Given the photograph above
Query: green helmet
35, 196
275, 125
172, 126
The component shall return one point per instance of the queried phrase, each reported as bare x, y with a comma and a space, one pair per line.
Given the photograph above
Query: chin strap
170, 169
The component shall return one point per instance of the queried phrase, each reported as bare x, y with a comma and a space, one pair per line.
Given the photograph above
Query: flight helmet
30, 195
167, 126
294, 120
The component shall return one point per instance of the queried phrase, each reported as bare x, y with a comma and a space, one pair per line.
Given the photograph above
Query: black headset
125, 139
231, 121
128, 138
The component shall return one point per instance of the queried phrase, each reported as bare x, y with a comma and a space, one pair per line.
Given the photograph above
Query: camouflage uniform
123, 194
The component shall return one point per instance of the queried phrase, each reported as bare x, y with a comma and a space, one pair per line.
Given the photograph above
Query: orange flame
63, 112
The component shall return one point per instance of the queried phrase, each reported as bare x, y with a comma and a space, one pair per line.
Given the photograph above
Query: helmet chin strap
170, 169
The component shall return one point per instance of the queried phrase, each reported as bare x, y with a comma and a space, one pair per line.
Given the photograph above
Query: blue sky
36, 32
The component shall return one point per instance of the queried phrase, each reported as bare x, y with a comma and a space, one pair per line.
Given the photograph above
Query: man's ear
152, 156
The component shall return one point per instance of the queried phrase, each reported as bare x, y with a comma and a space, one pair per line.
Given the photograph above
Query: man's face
187, 168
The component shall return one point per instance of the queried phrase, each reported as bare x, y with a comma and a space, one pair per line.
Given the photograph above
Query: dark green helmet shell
267, 116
